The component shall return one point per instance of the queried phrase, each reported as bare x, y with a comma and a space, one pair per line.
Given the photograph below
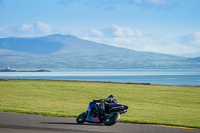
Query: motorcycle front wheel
112, 119
81, 118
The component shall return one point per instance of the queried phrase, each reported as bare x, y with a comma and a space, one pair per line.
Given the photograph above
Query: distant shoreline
171, 77
11, 70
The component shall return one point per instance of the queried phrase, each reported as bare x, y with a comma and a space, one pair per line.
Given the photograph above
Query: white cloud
125, 31
2, 29
42, 27
26, 27
159, 4
196, 40
26, 30
99, 4
192, 39
112, 4
126, 37
119, 36
5, 30
37, 27
114, 31
96, 32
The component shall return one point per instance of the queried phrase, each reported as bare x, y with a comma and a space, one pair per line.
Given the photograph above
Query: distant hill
69, 52
196, 59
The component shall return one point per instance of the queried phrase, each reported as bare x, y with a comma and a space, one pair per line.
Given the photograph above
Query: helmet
110, 97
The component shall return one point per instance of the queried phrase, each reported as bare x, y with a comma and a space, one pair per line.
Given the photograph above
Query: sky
161, 26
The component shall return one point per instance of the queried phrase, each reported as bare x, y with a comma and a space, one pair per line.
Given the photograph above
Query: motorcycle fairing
118, 105
90, 117
117, 108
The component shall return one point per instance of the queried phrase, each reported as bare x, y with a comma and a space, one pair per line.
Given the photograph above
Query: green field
156, 104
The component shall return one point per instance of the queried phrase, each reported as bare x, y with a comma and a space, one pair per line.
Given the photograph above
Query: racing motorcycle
105, 111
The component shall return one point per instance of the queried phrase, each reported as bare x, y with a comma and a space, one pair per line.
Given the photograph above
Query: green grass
168, 105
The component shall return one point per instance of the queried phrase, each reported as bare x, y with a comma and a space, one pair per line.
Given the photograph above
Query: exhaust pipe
122, 112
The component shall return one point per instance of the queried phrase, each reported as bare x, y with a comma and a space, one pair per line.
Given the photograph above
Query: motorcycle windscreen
90, 117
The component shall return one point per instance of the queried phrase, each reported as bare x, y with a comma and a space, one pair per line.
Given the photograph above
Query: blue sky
162, 26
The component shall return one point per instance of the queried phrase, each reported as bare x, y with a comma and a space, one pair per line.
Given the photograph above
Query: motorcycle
105, 111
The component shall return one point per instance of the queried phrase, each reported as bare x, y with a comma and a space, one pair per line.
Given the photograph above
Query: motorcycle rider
105, 103
109, 99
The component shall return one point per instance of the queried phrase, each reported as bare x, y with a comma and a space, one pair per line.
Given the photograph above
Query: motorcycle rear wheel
81, 118
111, 120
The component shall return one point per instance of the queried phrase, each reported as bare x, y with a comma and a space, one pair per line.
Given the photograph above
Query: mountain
196, 59
191, 55
69, 52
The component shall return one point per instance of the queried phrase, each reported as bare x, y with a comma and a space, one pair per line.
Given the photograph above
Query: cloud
192, 38
127, 37
96, 32
125, 31
117, 36
155, 3
36, 29
100, 4
25, 27
115, 31
196, 40
42, 27
2, 29
112, 4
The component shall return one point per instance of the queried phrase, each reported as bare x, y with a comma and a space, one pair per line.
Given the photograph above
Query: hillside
69, 52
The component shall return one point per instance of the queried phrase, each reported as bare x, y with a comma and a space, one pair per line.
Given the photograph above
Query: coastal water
168, 77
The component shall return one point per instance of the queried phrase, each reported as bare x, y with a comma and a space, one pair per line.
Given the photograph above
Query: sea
165, 77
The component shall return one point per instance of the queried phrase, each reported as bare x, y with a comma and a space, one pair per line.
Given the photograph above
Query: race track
22, 123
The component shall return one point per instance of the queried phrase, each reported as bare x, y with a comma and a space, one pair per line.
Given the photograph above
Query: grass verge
149, 104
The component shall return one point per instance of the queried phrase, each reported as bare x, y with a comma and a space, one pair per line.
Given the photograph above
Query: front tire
81, 118
111, 120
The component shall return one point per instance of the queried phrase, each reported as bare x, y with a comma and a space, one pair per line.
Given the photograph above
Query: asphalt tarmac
23, 123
